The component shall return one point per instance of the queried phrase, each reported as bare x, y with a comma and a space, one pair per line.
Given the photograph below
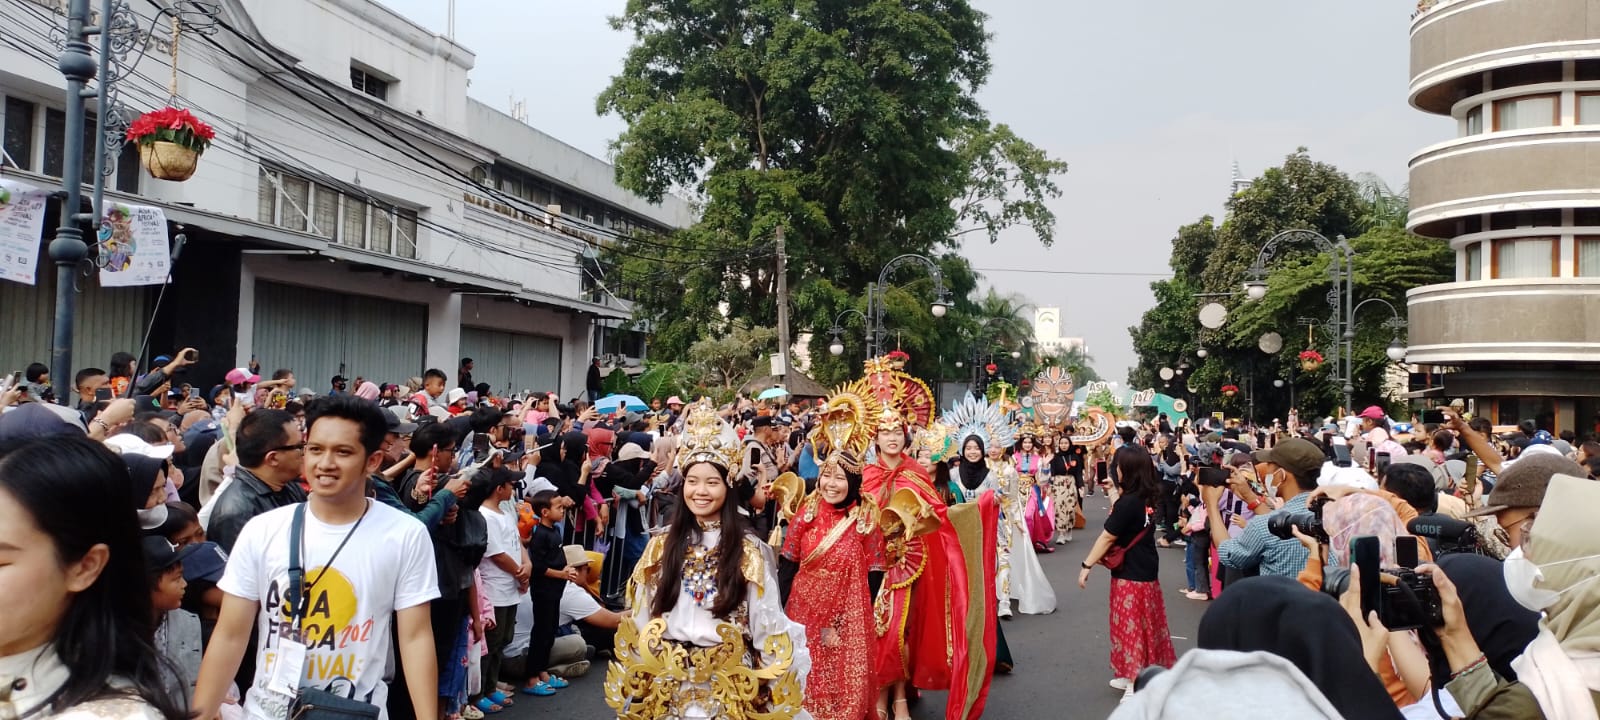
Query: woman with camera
1127, 546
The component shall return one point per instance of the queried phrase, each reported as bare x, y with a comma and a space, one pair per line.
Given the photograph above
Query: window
369, 83
1475, 120
1525, 219
1474, 261
1588, 256
1532, 111
55, 137
1525, 258
1589, 108
19, 132
296, 203
129, 169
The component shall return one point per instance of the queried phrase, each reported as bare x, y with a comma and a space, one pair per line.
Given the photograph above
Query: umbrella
771, 393
612, 403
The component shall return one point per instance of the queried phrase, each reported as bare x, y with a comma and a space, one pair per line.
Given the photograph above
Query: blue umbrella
611, 403
771, 393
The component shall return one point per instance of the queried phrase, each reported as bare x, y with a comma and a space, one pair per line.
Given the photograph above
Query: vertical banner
21, 222
132, 245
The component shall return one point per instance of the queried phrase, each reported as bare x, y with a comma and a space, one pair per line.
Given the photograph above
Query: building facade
1517, 195
357, 214
1047, 335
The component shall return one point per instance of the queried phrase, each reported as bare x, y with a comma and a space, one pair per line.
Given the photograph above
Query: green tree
852, 124
725, 360
1104, 399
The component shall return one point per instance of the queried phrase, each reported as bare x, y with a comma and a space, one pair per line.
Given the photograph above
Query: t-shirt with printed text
387, 565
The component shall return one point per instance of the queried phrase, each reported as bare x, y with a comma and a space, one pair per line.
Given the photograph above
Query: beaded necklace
700, 570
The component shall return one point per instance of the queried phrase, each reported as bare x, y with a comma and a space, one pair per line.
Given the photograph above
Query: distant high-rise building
1047, 332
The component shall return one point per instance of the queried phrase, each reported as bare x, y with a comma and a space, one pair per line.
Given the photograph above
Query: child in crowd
177, 631
549, 578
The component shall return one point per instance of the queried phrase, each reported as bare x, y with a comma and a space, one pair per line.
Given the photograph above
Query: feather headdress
973, 416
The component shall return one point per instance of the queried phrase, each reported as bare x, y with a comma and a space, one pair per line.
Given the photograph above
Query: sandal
901, 703
501, 698
557, 682
468, 712
541, 689
487, 706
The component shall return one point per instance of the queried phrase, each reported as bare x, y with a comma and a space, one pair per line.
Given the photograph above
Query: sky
1149, 102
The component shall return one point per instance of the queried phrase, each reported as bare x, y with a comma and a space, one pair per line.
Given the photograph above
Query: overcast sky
1150, 102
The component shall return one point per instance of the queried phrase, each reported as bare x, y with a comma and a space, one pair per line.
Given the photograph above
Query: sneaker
1179, 543
1061, 541
1197, 595
1126, 694
1122, 683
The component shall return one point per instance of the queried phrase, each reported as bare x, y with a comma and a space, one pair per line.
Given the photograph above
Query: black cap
159, 554
394, 425
762, 421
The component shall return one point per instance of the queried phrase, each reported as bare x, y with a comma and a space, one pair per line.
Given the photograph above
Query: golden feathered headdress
846, 421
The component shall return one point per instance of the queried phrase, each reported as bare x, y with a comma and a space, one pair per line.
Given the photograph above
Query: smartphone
192, 355
1382, 462
1213, 477
1372, 458
1341, 455
102, 393
1364, 553
13, 381
1405, 551
1432, 417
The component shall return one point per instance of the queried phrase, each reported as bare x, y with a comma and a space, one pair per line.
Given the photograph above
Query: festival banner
21, 221
132, 245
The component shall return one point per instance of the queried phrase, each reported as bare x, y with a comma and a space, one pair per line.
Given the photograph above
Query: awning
1432, 392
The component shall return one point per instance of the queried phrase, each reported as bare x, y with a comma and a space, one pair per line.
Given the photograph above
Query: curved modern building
1517, 195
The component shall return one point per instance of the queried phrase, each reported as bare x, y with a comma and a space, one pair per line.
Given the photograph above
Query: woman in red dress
926, 636
833, 543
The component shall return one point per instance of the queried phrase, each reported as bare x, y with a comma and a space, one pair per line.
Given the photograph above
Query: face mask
152, 518
1521, 574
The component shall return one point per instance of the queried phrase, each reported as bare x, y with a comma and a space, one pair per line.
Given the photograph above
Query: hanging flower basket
898, 359
991, 368
1310, 360
170, 142
1230, 390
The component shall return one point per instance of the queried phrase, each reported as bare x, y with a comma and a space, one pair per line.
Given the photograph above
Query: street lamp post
877, 304
120, 34
836, 345
1341, 298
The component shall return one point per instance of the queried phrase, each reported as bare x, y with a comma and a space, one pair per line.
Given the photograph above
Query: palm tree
1077, 362
1001, 320
1382, 208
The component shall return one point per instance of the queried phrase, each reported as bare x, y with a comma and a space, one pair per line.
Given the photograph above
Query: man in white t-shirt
365, 564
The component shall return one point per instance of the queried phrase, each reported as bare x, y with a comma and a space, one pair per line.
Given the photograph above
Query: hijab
1501, 627
368, 391
1561, 666
600, 442
1358, 515
1305, 627
973, 473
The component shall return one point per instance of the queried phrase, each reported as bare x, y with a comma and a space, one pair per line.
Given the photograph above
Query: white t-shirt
576, 604
386, 566
499, 586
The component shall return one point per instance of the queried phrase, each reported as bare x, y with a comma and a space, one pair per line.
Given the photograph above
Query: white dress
1029, 586
761, 622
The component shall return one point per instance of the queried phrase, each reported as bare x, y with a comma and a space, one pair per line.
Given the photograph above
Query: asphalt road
1062, 658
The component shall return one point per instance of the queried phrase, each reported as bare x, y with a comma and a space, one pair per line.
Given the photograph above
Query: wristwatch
1087, 566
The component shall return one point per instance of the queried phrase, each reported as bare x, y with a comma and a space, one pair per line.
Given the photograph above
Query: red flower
1230, 388
991, 367
898, 355
171, 125
1311, 355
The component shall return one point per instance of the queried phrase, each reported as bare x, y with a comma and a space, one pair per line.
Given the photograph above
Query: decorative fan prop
1094, 427
892, 387
1180, 405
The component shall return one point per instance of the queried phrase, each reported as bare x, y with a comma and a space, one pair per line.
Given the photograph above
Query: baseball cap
1522, 483
763, 421
576, 555
1373, 412
127, 444
159, 554
206, 563
394, 425
34, 420
1299, 456
242, 376
1543, 437
674, 400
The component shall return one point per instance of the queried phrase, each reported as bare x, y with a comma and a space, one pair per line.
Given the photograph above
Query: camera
1448, 535
1212, 476
1411, 603
1282, 525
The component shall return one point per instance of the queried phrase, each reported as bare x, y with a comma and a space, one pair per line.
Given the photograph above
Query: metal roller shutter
318, 334
513, 362
108, 320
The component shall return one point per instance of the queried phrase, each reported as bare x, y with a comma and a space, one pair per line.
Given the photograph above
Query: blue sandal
487, 706
557, 682
501, 698
540, 689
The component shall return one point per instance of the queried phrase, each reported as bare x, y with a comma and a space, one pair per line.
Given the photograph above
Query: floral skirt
1139, 635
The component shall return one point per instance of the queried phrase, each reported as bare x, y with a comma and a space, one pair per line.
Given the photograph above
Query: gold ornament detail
653, 677
707, 439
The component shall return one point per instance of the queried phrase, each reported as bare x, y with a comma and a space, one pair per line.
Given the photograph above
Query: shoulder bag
1118, 553
317, 703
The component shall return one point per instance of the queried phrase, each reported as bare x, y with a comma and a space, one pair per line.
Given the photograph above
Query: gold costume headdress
706, 438
935, 439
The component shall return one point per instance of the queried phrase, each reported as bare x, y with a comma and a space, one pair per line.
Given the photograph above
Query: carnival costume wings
972, 416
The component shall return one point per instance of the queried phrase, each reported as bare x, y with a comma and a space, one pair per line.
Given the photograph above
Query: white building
357, 213
1047, 332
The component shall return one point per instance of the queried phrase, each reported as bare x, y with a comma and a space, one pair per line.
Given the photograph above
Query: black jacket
244, 498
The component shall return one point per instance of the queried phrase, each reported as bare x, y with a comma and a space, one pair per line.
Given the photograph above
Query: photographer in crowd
1289, 470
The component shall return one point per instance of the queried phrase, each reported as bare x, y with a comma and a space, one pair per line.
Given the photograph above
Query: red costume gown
935, 628
833, 600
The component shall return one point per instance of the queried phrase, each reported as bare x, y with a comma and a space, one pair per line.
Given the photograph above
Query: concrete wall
1466, 37
1555, 320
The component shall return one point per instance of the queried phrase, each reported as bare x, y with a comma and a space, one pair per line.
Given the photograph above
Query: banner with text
132, 245
21, 221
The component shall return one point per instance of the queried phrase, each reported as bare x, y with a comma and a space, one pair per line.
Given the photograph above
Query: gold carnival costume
688, 663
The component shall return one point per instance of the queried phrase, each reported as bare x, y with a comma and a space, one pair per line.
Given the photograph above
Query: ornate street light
877, 307
1341, 299
1396, 351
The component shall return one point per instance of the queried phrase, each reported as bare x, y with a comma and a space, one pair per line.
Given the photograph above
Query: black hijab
1502, 627
1305, 627
973, 473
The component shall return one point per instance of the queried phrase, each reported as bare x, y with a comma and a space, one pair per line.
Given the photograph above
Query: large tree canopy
851, 124
1208, 258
